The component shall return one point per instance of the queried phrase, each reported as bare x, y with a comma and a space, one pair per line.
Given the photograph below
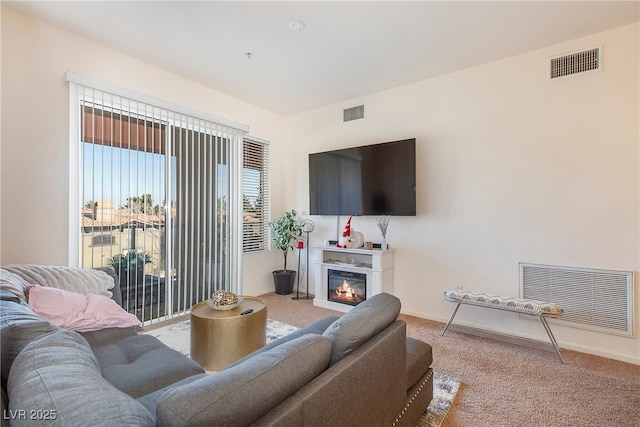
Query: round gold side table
219, 338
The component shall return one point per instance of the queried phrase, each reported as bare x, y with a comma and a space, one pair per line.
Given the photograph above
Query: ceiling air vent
353, 113
574, 63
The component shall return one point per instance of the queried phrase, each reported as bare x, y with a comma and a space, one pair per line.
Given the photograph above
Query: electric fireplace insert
347, 287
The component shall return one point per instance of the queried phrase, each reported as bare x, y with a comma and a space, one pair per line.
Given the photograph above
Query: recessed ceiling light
296, 25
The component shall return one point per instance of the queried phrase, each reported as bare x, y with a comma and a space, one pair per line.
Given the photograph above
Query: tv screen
377, 179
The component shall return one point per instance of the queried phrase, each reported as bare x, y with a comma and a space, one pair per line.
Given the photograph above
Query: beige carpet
509, 385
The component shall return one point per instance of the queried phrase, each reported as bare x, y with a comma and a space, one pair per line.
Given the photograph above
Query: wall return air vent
353, 113
574, 63
597, 300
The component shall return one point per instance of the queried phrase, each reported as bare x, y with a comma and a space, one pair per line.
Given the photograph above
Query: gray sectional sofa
354, 370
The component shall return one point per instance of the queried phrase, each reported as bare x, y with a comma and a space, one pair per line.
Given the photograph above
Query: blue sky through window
115, 174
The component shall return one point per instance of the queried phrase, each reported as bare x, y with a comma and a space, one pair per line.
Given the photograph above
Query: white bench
542, 309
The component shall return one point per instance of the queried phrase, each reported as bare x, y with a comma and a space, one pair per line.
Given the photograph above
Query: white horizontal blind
255, 195
158, 184
598, 300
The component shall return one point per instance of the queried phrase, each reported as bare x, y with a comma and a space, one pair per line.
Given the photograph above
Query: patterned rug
177, 336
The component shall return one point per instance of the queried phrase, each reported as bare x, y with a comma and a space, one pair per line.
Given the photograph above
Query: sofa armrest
374, 374
115, 291
240, 395
19, 325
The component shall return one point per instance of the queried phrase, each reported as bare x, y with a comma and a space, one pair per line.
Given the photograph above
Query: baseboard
606, 354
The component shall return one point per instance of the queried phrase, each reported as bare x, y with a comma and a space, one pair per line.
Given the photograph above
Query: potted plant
286, 230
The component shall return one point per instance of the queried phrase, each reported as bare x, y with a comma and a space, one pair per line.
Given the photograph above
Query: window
103, 240
158, 187
255, 195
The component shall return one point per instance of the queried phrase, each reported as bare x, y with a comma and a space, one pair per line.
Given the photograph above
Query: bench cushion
518, 305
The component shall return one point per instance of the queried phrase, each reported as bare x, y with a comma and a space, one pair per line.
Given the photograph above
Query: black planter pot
284, 281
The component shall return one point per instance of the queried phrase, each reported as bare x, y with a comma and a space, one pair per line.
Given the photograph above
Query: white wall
511, 168
35, 135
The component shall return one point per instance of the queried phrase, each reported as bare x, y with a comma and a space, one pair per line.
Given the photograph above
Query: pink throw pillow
79, 312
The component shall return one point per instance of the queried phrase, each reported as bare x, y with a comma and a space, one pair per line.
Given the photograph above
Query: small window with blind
255, 195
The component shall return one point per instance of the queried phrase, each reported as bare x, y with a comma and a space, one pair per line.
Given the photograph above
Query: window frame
256, 157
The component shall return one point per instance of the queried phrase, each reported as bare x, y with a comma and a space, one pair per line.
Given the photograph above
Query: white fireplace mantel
376, 264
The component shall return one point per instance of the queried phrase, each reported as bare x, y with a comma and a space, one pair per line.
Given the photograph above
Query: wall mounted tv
377, 179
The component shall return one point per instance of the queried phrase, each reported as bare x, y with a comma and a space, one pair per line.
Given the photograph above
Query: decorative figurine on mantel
350, 238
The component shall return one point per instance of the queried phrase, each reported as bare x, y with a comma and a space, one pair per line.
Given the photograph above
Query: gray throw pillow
363, 322
58, 377
240, 395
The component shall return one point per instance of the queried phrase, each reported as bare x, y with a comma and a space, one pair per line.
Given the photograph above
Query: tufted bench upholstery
518, 305
542, 309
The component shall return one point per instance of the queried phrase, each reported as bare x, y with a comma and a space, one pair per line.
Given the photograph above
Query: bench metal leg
551, 337
455, 310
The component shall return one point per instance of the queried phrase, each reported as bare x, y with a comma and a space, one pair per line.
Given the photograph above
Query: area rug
177, 336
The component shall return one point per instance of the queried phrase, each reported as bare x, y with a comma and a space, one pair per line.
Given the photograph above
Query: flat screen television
377, 179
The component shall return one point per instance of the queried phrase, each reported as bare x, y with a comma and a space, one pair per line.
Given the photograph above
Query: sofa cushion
150, 401
79, 312
240, 395
419, 358
19, 325
82, 280
317, 327
107, 335
141, 364
59, 373
364, 321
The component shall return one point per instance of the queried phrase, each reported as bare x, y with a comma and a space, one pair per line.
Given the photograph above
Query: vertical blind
157, 187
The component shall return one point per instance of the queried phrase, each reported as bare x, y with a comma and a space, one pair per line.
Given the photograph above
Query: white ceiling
347, 50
